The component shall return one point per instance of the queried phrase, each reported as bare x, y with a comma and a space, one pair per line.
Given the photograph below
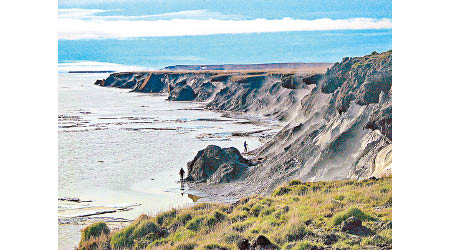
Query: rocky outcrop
182, 93
299, 82
359, 79
354, 225
217, 165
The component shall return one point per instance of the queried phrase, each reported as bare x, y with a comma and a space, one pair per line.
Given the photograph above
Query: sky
119, 19
158, 33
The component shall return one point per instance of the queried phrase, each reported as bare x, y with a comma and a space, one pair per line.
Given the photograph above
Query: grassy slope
297, 214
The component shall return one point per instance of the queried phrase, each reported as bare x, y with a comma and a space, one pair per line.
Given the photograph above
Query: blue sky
118, 19
304, 9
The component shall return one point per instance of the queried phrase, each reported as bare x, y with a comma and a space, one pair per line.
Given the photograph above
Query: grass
94, 230
356, 212
372, 58
305, 245
296, 216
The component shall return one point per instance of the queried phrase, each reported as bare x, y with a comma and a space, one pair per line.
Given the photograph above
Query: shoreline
254, 91
336, 125
114, 219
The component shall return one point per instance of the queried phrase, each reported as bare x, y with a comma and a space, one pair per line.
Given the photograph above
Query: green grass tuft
195, 223
94, 230
281, 191
305, 245
160, 219
356, 212
186, 246
256, 209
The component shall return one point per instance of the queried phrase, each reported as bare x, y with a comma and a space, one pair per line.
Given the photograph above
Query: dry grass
294, 211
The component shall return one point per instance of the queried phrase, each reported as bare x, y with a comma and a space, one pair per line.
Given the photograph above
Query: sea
158, 52
119, 153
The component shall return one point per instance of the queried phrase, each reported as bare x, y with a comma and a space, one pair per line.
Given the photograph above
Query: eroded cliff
340, 122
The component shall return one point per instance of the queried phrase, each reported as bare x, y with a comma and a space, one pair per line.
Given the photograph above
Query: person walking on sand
181, 174
245, 146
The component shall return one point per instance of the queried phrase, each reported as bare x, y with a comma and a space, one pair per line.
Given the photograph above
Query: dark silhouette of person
181, 174
245, 146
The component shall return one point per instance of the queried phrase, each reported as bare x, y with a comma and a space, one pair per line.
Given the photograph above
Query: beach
120, 152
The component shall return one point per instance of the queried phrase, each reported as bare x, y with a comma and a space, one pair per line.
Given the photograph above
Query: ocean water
277, 47
121, 151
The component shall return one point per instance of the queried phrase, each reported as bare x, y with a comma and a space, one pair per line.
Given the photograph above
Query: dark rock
227, 173
100, 82
329, 239
221, 78
206, 90
298, 82
297, 127
243, 244
314, 79
217, 165
261, 240
151, 83
381, 117
353, 225
262, 243
182, 93
292, 82
350, 223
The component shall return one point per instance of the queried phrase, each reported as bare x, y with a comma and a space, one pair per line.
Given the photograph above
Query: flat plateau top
282, 68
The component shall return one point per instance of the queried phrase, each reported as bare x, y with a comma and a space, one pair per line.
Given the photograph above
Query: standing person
245, 146
182, 175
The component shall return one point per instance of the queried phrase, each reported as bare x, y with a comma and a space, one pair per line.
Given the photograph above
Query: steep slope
342, 129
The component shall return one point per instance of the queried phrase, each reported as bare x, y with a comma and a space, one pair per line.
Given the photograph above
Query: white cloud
86, 25
94, 66
90, 14
78, 13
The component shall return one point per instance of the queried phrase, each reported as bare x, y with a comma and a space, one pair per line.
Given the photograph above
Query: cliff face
261, 93
340, 122
343, 128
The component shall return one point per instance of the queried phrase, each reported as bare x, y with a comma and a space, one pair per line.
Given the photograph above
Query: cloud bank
74, 24
95, 66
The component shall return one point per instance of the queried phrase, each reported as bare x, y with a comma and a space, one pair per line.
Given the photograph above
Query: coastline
182, 120
334, 128
334, 125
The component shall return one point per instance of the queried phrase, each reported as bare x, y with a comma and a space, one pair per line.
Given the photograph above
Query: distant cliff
266, 93
263, 66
